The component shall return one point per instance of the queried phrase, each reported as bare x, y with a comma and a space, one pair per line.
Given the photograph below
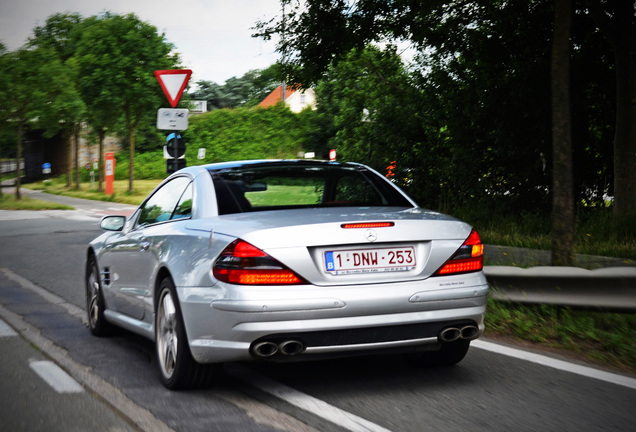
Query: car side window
184, 207
170, 200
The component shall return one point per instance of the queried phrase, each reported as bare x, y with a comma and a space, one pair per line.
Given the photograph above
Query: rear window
259, 187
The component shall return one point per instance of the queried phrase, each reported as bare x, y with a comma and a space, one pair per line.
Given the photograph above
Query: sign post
109, 172
173, 83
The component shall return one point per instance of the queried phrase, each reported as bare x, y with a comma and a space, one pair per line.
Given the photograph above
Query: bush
247, 133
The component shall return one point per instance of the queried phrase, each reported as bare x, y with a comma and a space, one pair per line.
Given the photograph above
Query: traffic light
171, 166
174, 153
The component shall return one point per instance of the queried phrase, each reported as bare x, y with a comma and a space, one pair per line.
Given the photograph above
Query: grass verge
605, 339
9, 202
87, 191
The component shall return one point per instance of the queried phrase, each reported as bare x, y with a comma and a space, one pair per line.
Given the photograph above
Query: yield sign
173, 82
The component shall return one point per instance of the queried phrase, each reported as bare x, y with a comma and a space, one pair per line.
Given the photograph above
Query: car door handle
144, 245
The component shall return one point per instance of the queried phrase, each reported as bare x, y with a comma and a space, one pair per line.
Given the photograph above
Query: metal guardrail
611, 289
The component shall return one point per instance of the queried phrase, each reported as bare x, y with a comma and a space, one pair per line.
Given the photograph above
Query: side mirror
113, 223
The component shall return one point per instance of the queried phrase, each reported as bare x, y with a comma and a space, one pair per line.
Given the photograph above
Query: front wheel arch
95, 303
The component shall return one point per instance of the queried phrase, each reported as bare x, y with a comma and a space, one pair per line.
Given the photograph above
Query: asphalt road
41, 295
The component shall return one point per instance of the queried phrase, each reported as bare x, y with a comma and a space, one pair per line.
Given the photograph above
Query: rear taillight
244, 264
468, 258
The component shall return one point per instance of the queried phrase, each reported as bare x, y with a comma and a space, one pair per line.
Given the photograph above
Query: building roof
276, 96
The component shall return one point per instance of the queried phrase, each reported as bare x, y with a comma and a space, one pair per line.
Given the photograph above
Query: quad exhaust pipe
267, 349
451, 334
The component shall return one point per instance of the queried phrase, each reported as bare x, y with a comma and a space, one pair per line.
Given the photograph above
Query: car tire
177, 367
95, 304
448, 355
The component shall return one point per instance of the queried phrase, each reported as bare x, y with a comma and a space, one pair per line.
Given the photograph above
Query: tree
3, 98
117, 56
59, 35
562, 195
37, 94
617, 20
374, 108
209, 91
317, 32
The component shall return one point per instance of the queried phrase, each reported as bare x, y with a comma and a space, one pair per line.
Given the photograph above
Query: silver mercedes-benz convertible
285, 260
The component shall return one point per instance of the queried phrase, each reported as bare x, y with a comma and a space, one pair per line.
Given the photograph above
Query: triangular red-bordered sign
173, 82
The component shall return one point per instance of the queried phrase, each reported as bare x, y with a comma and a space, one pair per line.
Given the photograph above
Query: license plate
370, 260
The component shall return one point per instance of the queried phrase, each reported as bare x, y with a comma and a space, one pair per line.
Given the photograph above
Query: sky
212, 36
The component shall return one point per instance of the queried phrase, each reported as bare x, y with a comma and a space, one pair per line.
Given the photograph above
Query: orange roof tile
276, 96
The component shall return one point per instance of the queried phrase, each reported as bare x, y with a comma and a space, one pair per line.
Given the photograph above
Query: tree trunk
76, 139
100, 167
18, 159
131, 165
625, 133
69, 158
562, 193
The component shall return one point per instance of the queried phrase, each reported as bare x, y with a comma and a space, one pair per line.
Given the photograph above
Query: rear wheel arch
177, 367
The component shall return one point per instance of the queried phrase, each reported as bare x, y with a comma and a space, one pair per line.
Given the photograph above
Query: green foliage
370, 111
63, 111
9, 202
246, 133
314, 33
44, 101
117, 56
58, 34
601, 337
147, 166
370, 101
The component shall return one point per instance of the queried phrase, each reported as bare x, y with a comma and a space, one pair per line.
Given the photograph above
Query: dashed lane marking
6, 330
55, 377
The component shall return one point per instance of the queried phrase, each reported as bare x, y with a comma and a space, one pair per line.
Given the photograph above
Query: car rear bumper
227, 323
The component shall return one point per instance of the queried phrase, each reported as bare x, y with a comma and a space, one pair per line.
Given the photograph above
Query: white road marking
556, 364
54, 376
6, 331
308, 403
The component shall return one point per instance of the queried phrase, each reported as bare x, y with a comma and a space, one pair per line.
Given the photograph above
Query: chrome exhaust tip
469, 332
291, 347
450, 334
265, 349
